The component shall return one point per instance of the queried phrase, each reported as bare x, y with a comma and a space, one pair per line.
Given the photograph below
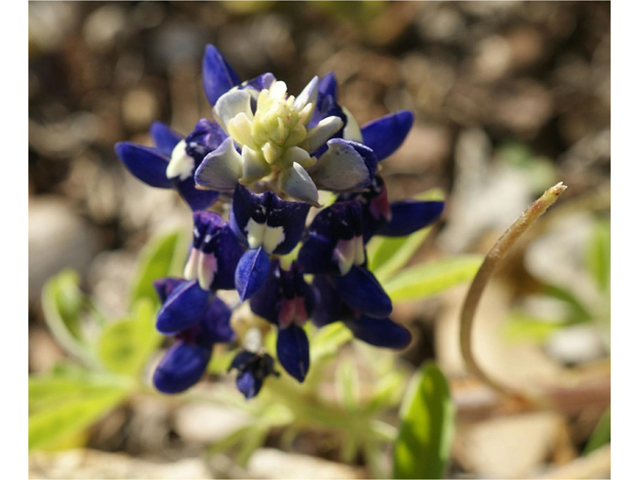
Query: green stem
497, 253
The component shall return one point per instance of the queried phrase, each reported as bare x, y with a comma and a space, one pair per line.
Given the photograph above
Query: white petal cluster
274, 141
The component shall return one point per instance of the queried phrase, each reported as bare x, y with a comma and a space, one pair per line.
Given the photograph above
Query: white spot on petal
181, 164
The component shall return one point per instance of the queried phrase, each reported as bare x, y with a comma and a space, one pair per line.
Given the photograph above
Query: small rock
509, 447
207, 423
95, 464
272, 463
58, 239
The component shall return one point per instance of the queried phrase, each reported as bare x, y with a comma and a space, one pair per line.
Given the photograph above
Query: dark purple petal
164, 138
340, 221
164, 286
181, 367
285, 297
293, 351
266, 301
204, 139
329, 306
407, 216
212, 235
145, 163
380, 332
195, 198
360, 290
385, 135
270, 209
217, 75
251, 273
185, 306
215, 327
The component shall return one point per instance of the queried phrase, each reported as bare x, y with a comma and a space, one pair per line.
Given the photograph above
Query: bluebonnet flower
186, 360
287, 301
273, 152
173, 160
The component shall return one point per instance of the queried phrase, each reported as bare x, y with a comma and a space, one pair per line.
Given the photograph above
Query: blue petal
248, 384
360, 290
407, 216
385, 135
380, 332
204, 139
259, 83
164, 138
293, 351
217, 75
181, 367
215, 327
251, 273
340, 221
164, 286
145, 163
195, 198
264, 302
329, 306
184, 307
269, 208
328, 85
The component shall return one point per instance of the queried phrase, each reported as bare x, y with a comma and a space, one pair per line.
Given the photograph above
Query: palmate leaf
426, 431
428, 279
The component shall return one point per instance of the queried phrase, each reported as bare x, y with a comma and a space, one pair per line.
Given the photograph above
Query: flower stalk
481, 280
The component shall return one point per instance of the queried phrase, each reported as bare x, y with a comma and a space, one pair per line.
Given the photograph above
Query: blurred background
509, 98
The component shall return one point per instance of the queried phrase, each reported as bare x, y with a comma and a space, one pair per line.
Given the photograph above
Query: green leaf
429, 278
62, 404
161, 257
347, 383
48, 425
521, 326
387, 255
601, 434
599, 254
578, 311
426, 429
125, 345
327, 340
62, 303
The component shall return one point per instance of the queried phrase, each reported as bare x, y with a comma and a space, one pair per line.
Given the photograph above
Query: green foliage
62, 304
521, 326
601, 435
599, 254
426, 431
62, 404
427, 279
125, 345
162, 257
